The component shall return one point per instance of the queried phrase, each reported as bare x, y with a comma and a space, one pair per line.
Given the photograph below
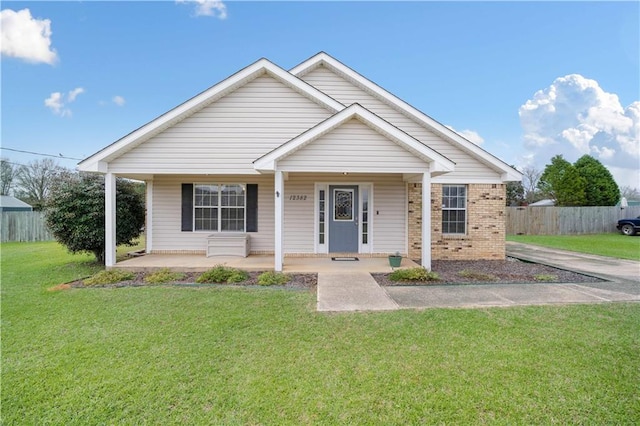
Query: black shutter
252, 207
187, 207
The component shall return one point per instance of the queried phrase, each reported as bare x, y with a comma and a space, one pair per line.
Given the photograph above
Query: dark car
629, 226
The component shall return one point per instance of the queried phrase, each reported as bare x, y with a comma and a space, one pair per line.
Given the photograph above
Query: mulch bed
297, 282
451, 272
493, 271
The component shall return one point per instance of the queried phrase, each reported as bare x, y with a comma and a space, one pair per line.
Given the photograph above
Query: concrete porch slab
200, 263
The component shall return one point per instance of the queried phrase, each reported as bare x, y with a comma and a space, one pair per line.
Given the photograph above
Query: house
314, 161
543, 203
12, 204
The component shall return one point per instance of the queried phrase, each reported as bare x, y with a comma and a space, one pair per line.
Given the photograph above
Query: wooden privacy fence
24, 226
565, 220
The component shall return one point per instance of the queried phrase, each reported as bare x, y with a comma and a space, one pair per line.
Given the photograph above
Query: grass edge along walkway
609, 245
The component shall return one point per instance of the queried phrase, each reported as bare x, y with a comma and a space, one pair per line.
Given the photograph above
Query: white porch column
279, 216
426, 220
148, 227
110, 219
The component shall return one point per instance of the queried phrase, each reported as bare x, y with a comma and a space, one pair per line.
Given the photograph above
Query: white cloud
118, 100
57, 102
74, 93
214, 8
575, 116
25, 37
54, 102
470, 135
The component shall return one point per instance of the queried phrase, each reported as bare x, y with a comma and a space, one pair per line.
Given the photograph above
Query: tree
530, 179
630, 193
35, 180
7, 176
570, 190
601, 189
76, 213
515, 193
562, 182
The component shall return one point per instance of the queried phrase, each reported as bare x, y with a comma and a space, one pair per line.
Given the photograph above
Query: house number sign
297, 197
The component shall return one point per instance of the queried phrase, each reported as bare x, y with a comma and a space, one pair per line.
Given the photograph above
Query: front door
343, 219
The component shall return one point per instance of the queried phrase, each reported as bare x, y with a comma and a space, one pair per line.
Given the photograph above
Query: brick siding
485, 237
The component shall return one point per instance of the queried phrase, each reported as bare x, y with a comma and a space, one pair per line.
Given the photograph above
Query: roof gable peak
439, 163
337, 67
95, 163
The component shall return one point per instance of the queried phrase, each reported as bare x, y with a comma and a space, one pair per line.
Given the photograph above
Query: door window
343, 205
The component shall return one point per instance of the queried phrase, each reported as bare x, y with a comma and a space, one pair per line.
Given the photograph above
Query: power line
39, 153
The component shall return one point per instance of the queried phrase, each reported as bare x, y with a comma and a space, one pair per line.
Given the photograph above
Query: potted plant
395, 260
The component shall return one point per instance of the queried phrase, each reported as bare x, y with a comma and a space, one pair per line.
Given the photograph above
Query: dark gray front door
343, 218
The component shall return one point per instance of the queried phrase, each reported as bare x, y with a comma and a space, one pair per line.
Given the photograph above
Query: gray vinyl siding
228, 135
388, 214
353, 147
467, 167
167, 213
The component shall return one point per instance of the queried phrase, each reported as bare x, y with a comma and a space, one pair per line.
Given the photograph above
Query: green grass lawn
611, 245
216, 355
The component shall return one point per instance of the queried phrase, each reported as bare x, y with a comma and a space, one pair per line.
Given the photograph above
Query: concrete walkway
608, 268
351, 291
358, 291
488, 295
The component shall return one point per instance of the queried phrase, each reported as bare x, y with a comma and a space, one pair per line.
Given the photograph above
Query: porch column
426, 220
279, 215
148, 227
110, 219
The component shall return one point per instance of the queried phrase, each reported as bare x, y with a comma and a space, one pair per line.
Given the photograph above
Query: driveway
608, 268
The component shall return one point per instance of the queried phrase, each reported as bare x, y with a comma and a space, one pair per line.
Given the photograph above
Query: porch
293, 264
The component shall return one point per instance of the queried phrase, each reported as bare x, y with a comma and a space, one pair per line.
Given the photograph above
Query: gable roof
439, 164
7, 201
323, 59
230, 84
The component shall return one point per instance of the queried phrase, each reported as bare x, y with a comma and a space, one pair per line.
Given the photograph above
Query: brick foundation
485, 238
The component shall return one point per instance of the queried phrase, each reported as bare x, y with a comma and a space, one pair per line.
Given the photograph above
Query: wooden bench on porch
228, 244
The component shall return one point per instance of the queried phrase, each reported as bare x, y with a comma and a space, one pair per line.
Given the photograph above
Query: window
219, 207
365, 215
454, 209
321, 221
343, 205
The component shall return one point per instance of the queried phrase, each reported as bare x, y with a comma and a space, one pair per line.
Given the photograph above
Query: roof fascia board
210, 95
323, 58
438, 162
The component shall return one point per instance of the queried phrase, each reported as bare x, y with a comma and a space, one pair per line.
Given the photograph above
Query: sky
524, 80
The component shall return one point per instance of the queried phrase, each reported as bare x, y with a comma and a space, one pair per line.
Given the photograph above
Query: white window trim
324, 248
219, 207
365, 248
465, 209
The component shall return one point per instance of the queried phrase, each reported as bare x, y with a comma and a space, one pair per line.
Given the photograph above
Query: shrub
475, 275
273, 278
162, 276
545, 277
222, 274
109, 276
413, 274
76, 215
